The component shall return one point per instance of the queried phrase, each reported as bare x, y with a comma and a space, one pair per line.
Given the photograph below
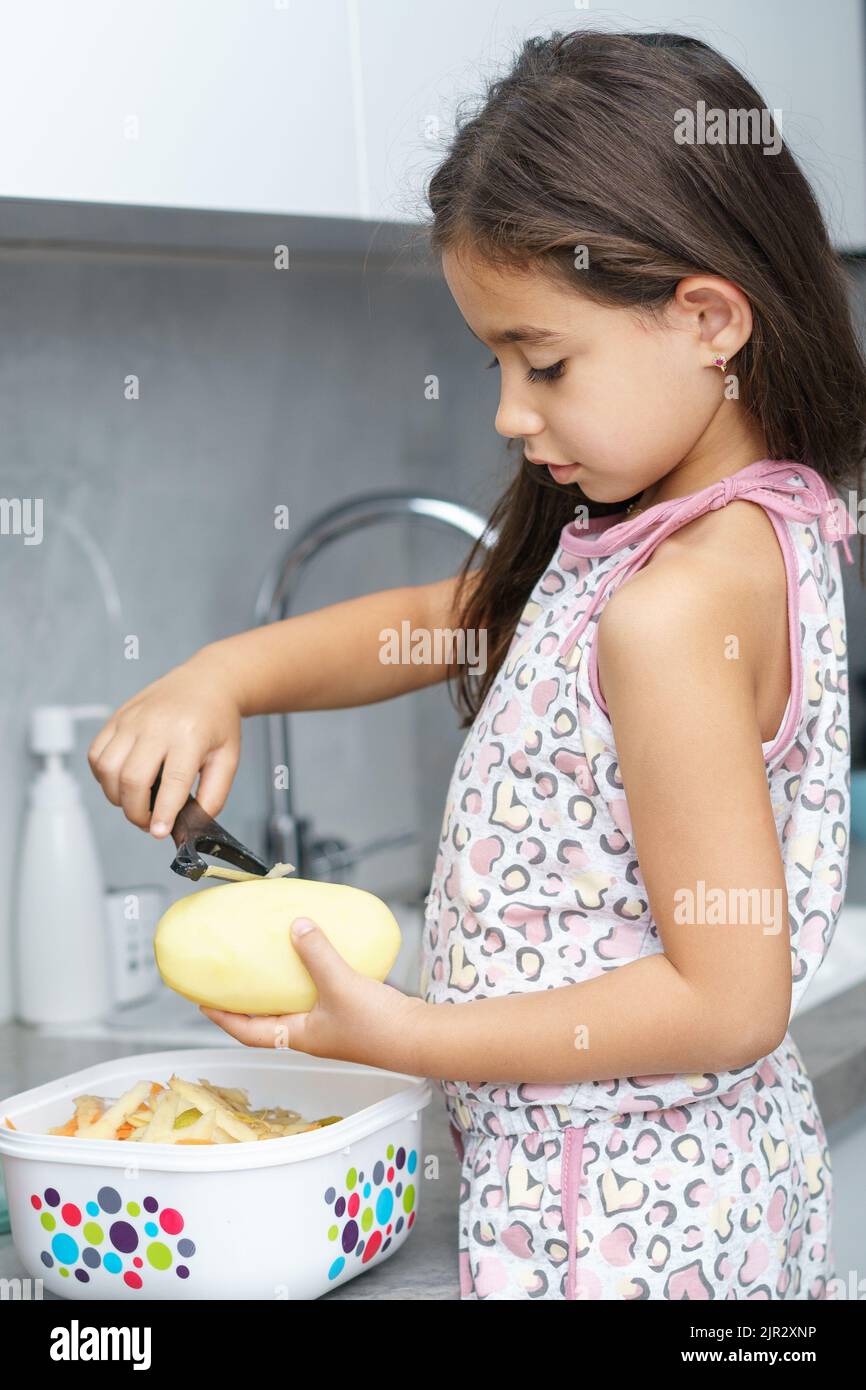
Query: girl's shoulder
719, 584
732, 553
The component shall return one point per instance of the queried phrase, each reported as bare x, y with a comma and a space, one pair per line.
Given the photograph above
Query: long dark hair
574, 146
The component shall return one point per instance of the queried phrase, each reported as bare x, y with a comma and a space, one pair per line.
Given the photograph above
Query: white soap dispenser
61, 935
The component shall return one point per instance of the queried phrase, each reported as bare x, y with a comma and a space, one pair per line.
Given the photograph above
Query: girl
644, 849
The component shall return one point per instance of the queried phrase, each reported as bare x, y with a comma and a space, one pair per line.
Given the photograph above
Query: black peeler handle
195, 833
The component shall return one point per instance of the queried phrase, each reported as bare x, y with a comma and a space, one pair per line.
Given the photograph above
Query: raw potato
231, 948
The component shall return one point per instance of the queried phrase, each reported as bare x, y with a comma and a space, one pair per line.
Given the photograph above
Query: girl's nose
515, 420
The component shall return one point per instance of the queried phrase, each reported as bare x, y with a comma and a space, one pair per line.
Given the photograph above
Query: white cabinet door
343, 107
808, 60
417, 62
230, 104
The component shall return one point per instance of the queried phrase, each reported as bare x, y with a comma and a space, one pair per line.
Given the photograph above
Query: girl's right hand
186, 722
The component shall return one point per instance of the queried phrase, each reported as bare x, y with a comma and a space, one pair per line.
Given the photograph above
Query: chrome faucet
289, 835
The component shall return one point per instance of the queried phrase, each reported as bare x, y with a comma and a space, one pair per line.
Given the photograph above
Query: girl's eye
536, 374
546, 373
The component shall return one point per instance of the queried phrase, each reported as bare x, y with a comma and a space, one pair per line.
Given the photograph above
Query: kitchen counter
831, 1038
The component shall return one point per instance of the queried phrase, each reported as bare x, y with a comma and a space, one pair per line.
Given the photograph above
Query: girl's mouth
560, 472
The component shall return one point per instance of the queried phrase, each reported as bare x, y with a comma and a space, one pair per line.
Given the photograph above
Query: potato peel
147, 1114
243, 875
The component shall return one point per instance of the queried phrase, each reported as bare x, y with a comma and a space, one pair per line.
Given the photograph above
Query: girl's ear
717, 311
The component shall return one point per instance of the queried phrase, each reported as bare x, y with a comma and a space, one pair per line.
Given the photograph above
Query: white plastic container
275, 1219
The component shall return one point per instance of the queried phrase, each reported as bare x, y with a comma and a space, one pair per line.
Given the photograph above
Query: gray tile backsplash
257, 388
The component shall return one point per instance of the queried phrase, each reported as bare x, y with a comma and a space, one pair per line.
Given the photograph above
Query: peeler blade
196, 833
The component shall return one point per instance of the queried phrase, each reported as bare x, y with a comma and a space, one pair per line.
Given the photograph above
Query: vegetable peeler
195, 833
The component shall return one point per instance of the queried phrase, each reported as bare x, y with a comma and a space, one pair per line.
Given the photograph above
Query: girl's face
615, 399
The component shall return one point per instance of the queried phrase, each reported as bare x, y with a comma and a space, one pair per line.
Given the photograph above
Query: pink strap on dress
768, 482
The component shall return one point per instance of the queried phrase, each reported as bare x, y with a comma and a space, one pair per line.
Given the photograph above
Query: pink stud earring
720, 361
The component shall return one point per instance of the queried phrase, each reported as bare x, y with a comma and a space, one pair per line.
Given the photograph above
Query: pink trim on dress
572, 1175
766, 483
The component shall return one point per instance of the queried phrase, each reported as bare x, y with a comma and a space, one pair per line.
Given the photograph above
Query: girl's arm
331, 658
190, 719
718, 996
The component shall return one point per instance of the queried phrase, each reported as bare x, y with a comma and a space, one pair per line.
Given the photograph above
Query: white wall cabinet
243, 105
341, 108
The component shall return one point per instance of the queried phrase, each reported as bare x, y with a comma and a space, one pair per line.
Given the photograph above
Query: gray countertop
831, 1038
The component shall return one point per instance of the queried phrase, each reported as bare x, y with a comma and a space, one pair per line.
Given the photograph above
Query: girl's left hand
354, 1019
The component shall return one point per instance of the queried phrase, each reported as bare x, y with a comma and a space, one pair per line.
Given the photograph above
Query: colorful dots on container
158, 1255
379, 1221
64, 1249
350, 1236
123, 1237
126, 1236
372, 1247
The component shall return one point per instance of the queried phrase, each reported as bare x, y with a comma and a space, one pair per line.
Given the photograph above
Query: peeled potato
231, 947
